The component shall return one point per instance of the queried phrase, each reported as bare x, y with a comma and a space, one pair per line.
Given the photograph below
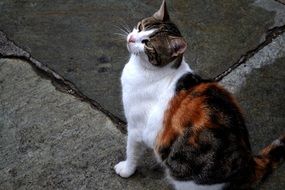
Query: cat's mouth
137, 41
135, 47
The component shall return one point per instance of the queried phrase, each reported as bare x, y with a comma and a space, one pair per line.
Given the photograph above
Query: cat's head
158, 38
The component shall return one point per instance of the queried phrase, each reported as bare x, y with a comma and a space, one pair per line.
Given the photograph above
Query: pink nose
132, 39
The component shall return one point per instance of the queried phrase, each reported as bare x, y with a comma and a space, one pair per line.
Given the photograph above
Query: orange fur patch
170, 133
260, 168
186, 109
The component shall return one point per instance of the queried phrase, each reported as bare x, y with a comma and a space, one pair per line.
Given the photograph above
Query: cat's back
202, 104
204, 137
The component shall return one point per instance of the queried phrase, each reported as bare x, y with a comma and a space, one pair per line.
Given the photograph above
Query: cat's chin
135, 48
135, 53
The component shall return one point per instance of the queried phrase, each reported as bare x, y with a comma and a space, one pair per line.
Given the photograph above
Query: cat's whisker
119, 37
127, 29
122, 29
120, 34
126, 26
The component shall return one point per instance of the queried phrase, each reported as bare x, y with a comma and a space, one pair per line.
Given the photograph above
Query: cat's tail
268, 159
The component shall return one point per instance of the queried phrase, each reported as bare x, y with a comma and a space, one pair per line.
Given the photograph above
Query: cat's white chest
154, 122
145, 100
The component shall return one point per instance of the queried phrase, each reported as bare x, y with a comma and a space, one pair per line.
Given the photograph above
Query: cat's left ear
178, 46
162, 13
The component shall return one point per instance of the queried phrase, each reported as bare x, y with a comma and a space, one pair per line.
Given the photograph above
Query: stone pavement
60, 94
52, 140
78, 39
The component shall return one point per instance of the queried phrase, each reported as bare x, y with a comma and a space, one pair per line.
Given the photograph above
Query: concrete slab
259, 86
52, 140
262, 97
8, 48
76, 38
281, 1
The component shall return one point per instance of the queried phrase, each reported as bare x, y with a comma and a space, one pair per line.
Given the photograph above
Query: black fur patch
223, 153
219, 102
277, 154
177, 62
218, 158
189, 80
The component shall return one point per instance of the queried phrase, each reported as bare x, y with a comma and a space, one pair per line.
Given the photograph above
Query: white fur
147, 91
138, 47
277, 142
189, 185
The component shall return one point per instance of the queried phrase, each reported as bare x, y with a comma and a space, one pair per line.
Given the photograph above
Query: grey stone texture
8, 48
52, 140
77, 38
266, 56
262, 98
259, 87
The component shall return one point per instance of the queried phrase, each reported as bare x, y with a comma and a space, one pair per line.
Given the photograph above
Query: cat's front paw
124, 170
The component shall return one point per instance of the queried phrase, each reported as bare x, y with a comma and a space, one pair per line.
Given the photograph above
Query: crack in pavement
68, 87
271, 34
280, 1
10, 50
61, 84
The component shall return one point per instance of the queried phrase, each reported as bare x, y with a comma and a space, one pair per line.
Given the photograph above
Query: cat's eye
139, 26
145, 41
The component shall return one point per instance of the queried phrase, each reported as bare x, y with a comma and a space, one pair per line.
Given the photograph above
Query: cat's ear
162, 13
178, 46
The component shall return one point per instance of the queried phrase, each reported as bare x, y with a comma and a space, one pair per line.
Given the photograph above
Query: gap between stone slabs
50, 139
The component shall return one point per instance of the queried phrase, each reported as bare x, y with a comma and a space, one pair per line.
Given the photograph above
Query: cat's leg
135, 149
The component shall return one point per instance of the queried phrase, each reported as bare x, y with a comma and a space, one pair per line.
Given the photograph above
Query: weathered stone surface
262, 98
273, 6
266, 56
51, 140
259, 86
8, 48
77, 38
281, 1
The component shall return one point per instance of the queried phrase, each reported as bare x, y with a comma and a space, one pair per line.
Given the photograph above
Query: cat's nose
131, 39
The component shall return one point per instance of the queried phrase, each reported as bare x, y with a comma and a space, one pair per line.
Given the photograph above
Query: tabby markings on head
166, 45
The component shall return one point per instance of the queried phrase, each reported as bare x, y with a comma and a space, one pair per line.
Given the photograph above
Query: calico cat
194, 126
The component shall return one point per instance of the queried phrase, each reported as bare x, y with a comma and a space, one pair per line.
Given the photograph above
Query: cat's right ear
162, 13
178, 46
